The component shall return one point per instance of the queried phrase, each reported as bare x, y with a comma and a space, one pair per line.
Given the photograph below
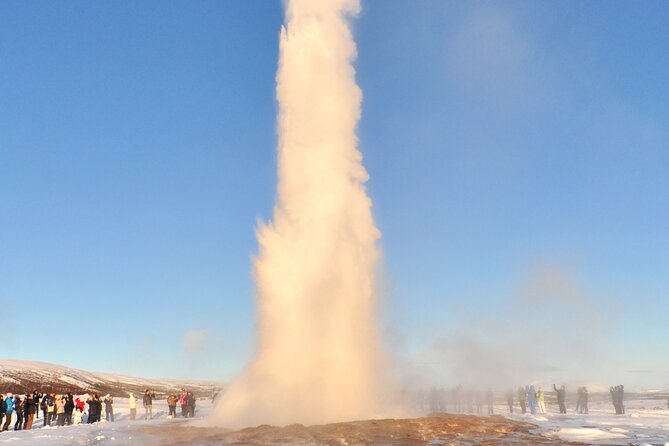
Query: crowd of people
528, 399
187, 402
459, 400
67, 409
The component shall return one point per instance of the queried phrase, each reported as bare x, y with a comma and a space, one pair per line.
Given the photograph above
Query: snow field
645, 423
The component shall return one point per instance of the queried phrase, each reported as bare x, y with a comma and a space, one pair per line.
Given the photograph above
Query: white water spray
318, 350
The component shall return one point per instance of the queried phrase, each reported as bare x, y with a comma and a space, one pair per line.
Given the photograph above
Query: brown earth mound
442, 429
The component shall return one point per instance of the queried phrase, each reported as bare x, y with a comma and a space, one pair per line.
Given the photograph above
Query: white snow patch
587, 433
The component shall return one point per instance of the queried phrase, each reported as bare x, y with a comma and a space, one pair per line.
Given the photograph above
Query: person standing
509, 400
172, 405
532, 399
9, 411
60, 410
18, 410
490, 400
37, 397
522, 400
43, 408
190, 402
132, 404
50, 409
69, 408
584, 400
98, 407
91, 409
614, 400
30, 410
541, 401
561, 397
147, 401
184, 407
79, 409
620, 397
109, 408
77, 415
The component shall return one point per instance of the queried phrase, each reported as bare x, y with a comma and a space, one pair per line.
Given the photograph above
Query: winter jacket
9, 406
132, 402
92, 408
29, 405
60, 405
172, 400
148, 398
78, 414
69, 405
18, 406
50, 405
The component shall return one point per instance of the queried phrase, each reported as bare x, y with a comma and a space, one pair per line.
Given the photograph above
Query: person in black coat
43, 407
69, 408
561, 397
30, 408
92, 410
36, 398
190, 403
97, 407
2, 408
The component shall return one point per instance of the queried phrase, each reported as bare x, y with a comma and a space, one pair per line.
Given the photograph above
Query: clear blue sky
512, 146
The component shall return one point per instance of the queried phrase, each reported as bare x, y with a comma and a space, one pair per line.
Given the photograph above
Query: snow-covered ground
121, 432
646, 422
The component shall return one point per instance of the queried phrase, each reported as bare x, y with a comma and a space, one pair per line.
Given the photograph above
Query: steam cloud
318, 353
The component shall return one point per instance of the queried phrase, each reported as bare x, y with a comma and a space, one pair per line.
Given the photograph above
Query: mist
551, 328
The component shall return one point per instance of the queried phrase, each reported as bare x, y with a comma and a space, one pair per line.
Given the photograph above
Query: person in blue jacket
532, 399
9, 411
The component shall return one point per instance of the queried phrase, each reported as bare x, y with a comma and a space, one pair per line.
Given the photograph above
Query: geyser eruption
318, 350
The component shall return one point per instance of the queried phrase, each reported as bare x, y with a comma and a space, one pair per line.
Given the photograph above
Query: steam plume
318, 341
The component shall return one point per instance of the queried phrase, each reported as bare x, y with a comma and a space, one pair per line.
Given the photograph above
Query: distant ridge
18, 376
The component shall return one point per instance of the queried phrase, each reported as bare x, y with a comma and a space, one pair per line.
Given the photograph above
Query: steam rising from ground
548, 329
318, 343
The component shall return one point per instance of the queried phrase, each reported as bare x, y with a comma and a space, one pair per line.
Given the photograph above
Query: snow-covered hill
18, 376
